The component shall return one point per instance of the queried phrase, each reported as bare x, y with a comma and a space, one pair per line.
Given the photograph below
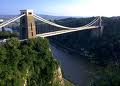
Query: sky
62, 7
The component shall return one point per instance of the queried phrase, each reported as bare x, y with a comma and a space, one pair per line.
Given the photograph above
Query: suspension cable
51, 23
92, 22
60, 26
10, 21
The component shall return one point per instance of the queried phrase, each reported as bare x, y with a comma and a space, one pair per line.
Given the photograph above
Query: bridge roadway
64, 31
56, 33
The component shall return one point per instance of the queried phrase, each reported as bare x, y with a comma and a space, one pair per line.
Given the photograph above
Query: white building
1, 20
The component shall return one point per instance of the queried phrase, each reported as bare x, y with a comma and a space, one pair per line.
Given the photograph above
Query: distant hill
49, 17
5, 17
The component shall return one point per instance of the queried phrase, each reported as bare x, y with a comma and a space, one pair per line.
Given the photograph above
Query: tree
29, 62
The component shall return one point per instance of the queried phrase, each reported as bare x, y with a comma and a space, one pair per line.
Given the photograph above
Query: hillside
28, 63
102, 52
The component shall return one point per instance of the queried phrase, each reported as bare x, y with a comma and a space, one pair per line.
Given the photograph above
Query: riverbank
66, 49
68, 83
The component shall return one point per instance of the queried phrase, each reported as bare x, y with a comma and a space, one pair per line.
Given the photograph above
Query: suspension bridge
28, 28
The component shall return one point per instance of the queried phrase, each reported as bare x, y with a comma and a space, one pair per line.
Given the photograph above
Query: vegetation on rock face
107, 76
106, 57
27, 63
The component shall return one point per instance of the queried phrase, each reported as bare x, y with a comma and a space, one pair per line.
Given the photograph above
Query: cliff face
95, 33
58, 79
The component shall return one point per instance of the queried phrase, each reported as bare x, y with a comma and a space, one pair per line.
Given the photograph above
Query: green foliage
109, 76
106, 51
7, 34
105, 55
30, 60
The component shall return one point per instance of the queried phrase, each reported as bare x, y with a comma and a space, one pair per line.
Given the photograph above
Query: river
75, 67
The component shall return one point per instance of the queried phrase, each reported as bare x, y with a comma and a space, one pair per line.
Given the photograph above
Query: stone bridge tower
27, 25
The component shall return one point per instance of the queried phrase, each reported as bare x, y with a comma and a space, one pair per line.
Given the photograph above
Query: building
1, 20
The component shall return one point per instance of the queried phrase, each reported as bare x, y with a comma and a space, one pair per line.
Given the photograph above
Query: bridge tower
1, 21
98, 32
101, 27
27, 25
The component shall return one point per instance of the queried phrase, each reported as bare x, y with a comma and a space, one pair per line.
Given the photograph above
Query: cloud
90, 8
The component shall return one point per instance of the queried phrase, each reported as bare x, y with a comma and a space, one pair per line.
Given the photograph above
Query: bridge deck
64, 31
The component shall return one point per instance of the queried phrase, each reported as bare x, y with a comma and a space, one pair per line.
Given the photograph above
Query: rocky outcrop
58, 78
